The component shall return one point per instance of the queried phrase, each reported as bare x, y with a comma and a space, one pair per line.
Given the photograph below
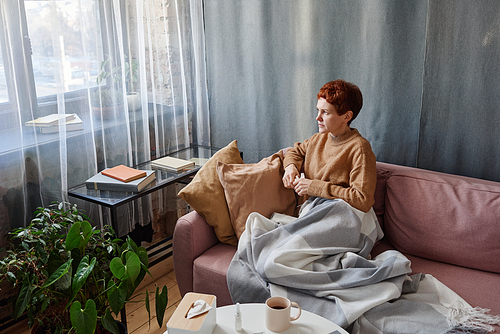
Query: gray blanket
321, 260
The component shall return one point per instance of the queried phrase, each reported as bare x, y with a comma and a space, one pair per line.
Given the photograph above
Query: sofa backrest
438, 216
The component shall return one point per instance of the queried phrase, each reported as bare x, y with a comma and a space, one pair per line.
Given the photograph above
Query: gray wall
428, 71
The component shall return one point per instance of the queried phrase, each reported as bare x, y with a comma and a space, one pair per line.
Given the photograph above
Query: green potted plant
71, 276
107, 96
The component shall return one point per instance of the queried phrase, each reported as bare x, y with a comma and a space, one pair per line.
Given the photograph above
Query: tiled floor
137, 318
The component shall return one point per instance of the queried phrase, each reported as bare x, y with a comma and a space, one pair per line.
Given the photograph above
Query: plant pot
134, 101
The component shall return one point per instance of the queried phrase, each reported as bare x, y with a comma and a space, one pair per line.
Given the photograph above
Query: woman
337, 161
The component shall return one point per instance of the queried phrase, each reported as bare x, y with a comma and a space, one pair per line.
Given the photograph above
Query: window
51, 56
50, 47
76, 50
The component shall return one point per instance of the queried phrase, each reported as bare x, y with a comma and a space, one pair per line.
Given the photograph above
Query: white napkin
199, 307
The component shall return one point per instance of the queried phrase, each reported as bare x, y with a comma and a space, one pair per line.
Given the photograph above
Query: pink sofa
447, 225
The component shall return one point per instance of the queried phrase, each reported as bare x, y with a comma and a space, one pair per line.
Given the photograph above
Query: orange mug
278, 313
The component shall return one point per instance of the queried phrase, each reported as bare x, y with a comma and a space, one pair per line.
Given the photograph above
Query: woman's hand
291, 173
301, 185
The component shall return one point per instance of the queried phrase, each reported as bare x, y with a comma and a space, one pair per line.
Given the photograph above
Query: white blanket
321, 260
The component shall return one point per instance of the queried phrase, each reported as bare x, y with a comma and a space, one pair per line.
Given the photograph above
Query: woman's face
330, 121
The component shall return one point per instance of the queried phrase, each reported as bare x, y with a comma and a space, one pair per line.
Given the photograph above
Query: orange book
124, 173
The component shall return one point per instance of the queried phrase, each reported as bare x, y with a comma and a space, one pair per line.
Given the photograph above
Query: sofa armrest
192, 237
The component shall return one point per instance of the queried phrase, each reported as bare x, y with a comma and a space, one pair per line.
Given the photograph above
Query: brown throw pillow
255, 188
206, 195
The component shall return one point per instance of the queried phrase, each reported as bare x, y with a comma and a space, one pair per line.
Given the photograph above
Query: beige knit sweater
340, 167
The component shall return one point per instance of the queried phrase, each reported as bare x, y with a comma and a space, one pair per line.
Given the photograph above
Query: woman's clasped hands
292, 180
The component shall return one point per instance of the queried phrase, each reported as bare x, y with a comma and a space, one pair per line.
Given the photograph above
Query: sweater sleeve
360, 192
296, 155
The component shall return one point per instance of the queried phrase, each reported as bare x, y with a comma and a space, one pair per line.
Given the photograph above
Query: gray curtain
427, 69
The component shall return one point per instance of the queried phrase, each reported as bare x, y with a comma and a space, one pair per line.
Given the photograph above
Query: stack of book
50, 123
172, 164
121, 178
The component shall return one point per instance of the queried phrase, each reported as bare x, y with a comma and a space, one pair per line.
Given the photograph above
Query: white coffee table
253, 322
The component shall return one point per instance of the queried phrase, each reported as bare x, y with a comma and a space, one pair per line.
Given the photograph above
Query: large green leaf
83, 321
78, 236
117, 267
161, 302
82, 273
128, 270
109, 323
117, 297
133, 264
143, 256
23, 298
148, 308
60, 272
73, 238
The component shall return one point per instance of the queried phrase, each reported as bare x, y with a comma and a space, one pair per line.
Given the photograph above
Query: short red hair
344, 96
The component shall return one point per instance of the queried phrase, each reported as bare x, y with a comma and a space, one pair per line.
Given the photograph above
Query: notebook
124, 173
173, 164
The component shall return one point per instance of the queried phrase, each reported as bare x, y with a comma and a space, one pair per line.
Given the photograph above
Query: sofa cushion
443, 217
255, 188
205, 194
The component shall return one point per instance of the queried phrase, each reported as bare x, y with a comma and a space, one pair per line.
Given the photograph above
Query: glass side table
164, 178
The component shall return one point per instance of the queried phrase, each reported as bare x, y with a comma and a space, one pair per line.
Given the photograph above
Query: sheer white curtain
133, 71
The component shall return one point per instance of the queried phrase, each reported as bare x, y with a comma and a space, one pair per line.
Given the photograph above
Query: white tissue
199, 307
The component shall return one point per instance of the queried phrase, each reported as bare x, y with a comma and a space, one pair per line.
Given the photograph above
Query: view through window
57, 39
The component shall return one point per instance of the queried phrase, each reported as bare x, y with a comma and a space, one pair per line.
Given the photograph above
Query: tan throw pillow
255, 188
206, 195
